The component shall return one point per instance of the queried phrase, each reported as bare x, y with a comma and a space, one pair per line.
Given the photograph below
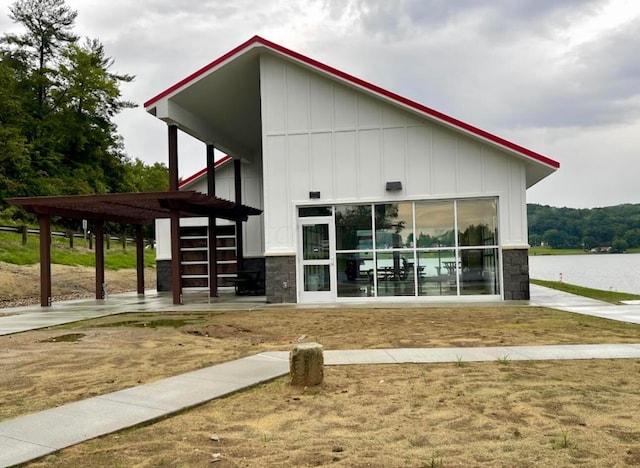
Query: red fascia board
202, 70
366, 85
202, 172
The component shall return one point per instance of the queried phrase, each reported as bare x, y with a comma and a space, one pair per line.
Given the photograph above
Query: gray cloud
506, 66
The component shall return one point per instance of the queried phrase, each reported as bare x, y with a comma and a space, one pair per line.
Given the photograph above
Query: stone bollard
306, 364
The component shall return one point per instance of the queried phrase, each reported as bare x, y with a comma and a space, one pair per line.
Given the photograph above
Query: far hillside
617, 227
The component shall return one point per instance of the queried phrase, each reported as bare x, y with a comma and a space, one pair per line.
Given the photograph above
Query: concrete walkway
32, 436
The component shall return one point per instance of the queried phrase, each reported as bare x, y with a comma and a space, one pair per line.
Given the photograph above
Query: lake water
613, 272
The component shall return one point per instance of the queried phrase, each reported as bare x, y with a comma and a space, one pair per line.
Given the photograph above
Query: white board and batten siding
321, 135
225, 188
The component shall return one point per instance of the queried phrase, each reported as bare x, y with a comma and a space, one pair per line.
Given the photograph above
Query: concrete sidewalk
29, 437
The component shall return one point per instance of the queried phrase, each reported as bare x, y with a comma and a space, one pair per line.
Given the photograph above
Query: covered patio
137, 209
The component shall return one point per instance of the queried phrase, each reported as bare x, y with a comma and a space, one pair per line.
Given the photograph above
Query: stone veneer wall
515, 274
281, 279
163, 275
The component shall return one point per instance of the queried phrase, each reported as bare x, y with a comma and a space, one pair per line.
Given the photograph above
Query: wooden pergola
137, 209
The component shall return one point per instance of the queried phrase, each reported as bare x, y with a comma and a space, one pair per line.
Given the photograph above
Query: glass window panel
436, 272
394, 225
479, 274
477, 222
394, 274
317, 278
315, 242
353, 227
355, 274
307, 211
435, 224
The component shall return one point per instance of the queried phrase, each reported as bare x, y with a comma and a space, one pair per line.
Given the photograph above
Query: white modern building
365, 194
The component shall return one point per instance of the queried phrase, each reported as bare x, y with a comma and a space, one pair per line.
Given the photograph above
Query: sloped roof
202, 172
241, 61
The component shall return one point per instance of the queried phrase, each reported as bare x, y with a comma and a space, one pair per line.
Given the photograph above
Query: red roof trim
202, 172
359, 82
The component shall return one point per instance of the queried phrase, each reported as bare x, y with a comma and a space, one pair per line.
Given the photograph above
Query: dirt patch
526, 414
125, 350
20, 285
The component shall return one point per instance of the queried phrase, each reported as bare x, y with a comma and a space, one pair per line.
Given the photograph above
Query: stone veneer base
280, 277
515, 274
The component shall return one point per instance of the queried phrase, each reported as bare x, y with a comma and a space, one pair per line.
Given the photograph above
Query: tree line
58, 98
617, 227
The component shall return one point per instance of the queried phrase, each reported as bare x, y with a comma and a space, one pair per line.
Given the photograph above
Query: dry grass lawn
564, 413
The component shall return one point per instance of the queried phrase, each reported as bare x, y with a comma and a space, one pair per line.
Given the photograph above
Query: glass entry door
316, 254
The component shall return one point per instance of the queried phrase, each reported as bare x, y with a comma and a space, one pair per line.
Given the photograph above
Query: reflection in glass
479, 273
437, 273
353, 227
395, 274
315, 242
429, 257
435, 224
477, 222
394, 225
355, 274
316, 278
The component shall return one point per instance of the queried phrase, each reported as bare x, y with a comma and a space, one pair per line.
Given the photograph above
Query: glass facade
414, 249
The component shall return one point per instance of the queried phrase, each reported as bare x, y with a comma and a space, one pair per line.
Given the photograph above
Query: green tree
48, 29
63, 139
140, 177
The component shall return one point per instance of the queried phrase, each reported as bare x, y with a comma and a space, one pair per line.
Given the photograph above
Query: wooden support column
176, 273
237, 172
100, 285
213, 252
173, 157
140, 259
45, 260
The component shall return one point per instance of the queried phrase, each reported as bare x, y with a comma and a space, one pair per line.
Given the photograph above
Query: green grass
550, 251
115, 258
599, 294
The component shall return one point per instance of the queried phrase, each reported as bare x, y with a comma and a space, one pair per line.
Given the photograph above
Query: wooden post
24, 230
140, 259
45, 260
173, 157
237, 172
176, 276
213, 251
70, 236
100, 284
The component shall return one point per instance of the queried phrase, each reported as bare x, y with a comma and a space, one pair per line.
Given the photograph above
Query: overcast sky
561, 77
